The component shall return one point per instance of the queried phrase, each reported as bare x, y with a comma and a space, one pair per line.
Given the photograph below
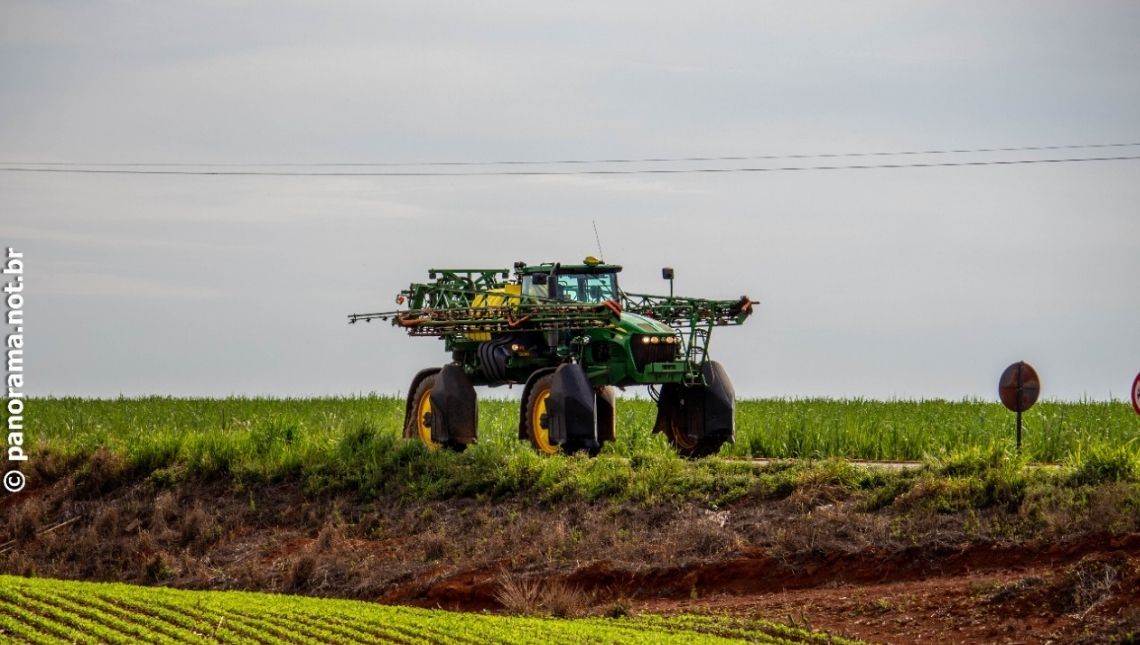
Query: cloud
865, 279
115, 287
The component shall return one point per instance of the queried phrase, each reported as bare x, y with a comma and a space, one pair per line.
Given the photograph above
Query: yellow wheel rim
541, 434
423, 414
681, 439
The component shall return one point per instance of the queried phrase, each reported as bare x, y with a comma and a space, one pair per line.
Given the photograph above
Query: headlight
654, 339
645, 340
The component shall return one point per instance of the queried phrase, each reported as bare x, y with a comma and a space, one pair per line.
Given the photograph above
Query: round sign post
1136, 394
1018, 389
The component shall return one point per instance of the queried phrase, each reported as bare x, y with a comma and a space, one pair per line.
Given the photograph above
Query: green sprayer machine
569, 335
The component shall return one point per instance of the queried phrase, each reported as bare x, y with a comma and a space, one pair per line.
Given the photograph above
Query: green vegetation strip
36, 610
355, 444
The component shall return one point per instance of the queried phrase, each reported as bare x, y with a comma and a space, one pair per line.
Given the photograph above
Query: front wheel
538, 416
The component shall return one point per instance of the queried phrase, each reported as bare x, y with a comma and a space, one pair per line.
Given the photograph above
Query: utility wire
550, 173
532, 162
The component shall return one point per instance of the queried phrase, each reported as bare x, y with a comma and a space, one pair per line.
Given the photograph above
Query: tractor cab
591, 281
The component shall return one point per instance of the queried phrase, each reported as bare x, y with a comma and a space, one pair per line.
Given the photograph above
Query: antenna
598, 239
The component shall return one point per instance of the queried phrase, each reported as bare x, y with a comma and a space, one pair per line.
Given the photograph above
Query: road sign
1018, 388
1136, 394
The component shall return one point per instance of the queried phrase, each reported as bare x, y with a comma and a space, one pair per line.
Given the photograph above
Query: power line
550, 173
534, 162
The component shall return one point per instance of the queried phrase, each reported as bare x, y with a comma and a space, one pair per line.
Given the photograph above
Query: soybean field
56, 611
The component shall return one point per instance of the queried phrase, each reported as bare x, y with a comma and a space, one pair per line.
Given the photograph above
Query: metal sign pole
1019, 431
1019, 406
1018, 389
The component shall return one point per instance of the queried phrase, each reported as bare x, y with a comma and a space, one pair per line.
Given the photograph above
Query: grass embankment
55, 611
354, 444
323, 497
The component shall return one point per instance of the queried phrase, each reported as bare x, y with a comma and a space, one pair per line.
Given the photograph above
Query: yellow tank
508, 296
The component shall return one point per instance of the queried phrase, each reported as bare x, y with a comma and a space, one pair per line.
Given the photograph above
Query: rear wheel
420, 417
674, 419
691, 448
419, 422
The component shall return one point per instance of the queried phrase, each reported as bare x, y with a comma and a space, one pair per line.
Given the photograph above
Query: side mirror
667, 273
538, 279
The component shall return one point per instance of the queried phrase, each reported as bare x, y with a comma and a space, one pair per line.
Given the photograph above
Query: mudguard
571, 407
606, 407
454, 409
719, 404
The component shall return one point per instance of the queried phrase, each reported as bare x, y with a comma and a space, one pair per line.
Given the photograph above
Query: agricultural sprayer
569, 335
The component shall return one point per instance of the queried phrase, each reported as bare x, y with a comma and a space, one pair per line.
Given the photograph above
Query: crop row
53, 611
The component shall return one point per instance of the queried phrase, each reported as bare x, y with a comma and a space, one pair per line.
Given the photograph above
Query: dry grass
534, 596
302, 573
518, 595
697, 534
434, 547
165, 511
1014, 590
331, 536
103, 472
197, 527
620, 607
26, 520
1088, 583
1100, 592
564, 601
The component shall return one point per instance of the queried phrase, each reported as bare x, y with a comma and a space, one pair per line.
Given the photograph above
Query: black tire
534, 415
673, 421
419, 417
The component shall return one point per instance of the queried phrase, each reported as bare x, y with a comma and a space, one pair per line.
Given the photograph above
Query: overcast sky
919, 282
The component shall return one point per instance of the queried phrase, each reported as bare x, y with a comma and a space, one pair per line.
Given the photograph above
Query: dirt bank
897, 574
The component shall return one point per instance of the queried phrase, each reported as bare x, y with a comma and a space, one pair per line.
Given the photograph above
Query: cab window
586, 287
529, 288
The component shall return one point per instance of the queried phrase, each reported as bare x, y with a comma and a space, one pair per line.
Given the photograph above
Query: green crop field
56, 611
812, 428
355, 443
